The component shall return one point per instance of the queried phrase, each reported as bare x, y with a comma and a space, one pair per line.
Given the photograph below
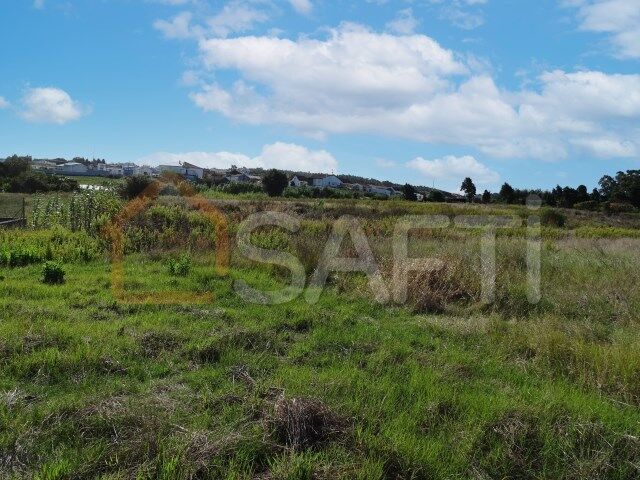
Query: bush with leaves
180, 267
134, 186
274, 182
552, 218
52, 273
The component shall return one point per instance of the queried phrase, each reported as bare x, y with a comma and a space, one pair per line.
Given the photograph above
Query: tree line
621, 192
17, 176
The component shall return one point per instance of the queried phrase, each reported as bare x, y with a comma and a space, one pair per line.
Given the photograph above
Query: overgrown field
444, 386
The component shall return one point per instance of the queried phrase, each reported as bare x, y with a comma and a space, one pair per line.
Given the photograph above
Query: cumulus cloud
357, 80
4, 103
279, 155
619, 18
454, 168
302, 6
50, 105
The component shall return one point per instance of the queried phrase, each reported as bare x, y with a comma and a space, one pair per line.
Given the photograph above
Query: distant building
298, 181
71, 168
114, 171
235, 176
329, 181
382, 190
187, 170
318, 181
44, 165
145, 170
129, 169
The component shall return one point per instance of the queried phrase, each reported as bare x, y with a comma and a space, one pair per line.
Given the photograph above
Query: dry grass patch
304, 423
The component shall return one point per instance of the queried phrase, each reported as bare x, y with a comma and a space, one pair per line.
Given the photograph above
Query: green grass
91, 387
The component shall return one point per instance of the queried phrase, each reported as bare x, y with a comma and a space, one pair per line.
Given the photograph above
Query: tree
507, 193
436, 196
134, 186
582, 194
486, 196
274, 182
409, 192
14, 166
468, 188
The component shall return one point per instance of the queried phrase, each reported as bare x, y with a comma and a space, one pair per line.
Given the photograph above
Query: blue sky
534, 93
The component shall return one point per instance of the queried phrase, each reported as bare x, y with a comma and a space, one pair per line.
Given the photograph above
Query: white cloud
50, 105
235, 16
277, 155
4, 103
303, 7
455, 168
404, 23
178, 27
463, 14
619, 18
408, 86
39, 4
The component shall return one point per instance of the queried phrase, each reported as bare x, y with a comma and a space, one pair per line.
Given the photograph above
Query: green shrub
552, 218
32, 182
180, 267
134, 186
19, 257
52, 273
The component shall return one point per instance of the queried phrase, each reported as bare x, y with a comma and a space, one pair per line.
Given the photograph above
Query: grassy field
444, 387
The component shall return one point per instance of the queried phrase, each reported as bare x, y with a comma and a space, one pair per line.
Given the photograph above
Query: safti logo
114, 232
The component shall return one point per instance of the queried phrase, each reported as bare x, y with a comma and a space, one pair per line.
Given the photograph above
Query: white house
114, 170
144, 170
187, 170
382, 190
329, 181
193, 171
71, 168
298, 181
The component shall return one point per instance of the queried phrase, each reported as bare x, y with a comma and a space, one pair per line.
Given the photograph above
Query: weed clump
152, 344
510, 447
180, 267
433, 290
304, 423
52, 273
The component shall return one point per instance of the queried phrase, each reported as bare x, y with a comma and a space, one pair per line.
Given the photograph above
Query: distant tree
595, 195
274, 182
134, 186
486, 196
32, 182
627, 187
409, 192
14, 166
582, 194
468, 188
507, 194
607, 187
436, 196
